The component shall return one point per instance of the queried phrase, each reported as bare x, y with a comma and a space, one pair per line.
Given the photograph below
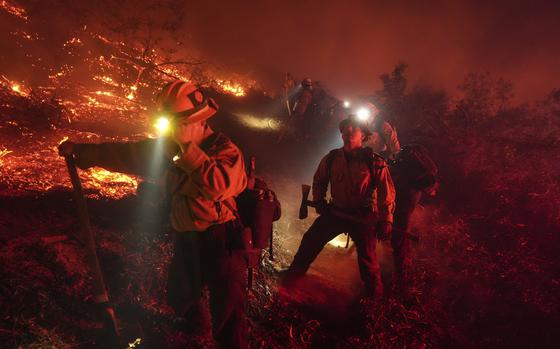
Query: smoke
344, 44
348, 44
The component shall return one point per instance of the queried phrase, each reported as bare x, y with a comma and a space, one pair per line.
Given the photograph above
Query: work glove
383, 230
66, 148
321, 207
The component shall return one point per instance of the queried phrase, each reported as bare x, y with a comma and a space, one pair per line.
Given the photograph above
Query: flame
231, 88
106, 79
111, 184
13, 10
3, 153
14, 86
104, 93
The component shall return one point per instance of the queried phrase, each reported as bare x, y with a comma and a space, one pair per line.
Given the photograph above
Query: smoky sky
344, 44
348, 44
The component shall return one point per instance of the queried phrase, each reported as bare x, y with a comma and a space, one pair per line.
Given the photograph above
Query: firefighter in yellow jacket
200, 185
361, 186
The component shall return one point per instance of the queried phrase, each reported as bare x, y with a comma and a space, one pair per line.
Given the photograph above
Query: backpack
416, 168
258, 208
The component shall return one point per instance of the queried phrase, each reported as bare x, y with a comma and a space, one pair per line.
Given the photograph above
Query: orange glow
340, 241
19, 89
111, 184
104, 93
233, 89
106, 79
3, 153
13, 9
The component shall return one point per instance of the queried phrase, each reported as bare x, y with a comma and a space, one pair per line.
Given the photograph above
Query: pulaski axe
303, 212
100, 296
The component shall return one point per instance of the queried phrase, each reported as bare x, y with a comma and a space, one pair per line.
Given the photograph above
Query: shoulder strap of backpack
371, 158
329, 161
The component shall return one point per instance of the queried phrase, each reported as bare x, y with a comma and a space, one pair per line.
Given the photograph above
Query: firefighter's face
352, 136
184, 132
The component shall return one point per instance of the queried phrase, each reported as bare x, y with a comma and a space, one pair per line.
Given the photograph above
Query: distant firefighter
202, 171
304, 109
414, 173
363, 201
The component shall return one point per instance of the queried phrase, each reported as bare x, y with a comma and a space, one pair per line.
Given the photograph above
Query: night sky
347, 44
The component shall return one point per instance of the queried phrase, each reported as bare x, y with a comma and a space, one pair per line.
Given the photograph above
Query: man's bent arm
216, 177
148, 157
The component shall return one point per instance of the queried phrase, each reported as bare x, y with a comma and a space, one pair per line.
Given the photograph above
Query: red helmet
185, 100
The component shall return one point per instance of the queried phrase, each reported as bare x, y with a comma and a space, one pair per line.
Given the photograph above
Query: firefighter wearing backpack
201, 186
414, 173
361, 186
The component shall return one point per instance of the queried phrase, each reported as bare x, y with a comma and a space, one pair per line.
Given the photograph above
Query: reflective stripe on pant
207, 258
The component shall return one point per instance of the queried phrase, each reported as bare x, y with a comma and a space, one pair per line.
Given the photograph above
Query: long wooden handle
100, 295
352, 218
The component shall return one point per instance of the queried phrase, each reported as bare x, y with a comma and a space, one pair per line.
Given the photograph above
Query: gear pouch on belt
237, 235
242, 239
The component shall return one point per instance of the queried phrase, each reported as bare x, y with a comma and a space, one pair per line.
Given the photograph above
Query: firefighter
202, 172
414, 173
360, 186
303, 113
384, 138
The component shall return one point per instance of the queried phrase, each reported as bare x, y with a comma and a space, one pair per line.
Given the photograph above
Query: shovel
100, 296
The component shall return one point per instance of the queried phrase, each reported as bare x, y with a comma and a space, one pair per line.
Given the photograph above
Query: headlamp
346, 104
363, 114
162, 124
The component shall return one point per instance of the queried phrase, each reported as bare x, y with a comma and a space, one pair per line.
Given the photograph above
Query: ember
110, 184
3, 153
13, 9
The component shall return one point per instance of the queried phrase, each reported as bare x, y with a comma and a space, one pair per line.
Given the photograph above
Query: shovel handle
100, 295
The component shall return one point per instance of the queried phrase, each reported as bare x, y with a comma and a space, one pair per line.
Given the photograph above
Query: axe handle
100, 295
355, 219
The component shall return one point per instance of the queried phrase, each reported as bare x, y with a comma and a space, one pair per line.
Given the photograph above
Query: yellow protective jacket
198, 184
355, 184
